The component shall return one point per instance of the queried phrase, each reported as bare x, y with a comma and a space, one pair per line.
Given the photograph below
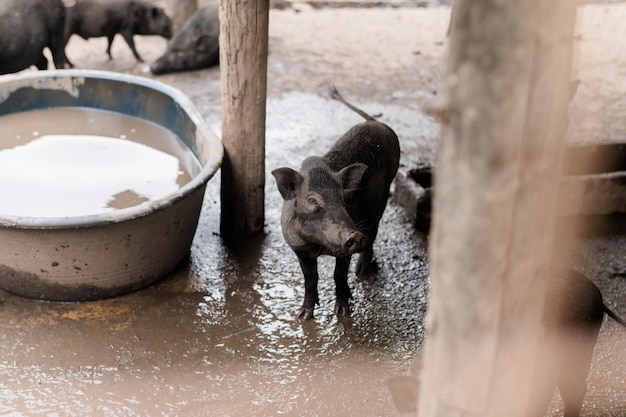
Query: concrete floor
220, 336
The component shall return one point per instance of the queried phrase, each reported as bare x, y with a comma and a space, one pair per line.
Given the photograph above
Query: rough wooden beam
496, 181
243, 64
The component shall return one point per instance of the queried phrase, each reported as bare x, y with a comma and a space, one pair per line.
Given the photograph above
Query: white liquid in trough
75, 162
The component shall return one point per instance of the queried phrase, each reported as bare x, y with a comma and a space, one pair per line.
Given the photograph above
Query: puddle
221, 335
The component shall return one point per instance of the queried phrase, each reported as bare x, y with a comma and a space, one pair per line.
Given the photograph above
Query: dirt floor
220, 337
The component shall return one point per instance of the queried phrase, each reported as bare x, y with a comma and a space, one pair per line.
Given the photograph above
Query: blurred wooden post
180, 10
496, 181
243, 65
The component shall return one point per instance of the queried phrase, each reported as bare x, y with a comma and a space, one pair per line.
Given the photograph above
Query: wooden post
180, 10
243, 65
496, 185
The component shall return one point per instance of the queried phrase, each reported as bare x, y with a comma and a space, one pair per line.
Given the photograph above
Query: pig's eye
312, 201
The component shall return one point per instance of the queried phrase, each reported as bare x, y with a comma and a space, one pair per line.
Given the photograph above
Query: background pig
572, 317
333, 205
92, 19
195, 45
573, 314
26, 28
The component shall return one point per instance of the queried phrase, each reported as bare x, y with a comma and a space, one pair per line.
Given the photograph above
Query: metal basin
106, 254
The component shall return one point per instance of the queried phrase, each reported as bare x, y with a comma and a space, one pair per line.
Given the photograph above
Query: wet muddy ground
219, 336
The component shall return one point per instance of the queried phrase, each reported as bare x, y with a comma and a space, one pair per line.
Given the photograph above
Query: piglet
92, 19
194, 46
334, 203
573, 315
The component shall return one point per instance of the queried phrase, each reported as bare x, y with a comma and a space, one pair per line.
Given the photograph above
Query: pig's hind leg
573, 378
128, 37
365, 266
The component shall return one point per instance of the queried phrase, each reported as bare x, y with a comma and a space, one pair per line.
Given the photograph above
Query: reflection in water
126, 198
76, 175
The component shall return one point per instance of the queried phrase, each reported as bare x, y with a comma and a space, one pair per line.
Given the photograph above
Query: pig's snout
355, 242
156, 67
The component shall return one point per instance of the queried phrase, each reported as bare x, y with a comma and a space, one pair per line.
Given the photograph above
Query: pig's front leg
110, 43
311, 298
42, 63
342, 290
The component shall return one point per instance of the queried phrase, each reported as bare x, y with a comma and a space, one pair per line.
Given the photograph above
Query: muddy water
221, 337
78, 161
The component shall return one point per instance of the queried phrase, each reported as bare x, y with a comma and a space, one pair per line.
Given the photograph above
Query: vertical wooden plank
180, 10
243, 64
496, 182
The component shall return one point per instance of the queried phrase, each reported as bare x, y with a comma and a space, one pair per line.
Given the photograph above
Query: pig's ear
288, 181
350, 177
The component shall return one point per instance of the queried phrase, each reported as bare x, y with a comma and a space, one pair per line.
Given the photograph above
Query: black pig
92, 19
26, 28
573, 313
333, 205
194, 46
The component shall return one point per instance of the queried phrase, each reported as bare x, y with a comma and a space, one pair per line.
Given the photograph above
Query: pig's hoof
306, 313
365, 272
342, 309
